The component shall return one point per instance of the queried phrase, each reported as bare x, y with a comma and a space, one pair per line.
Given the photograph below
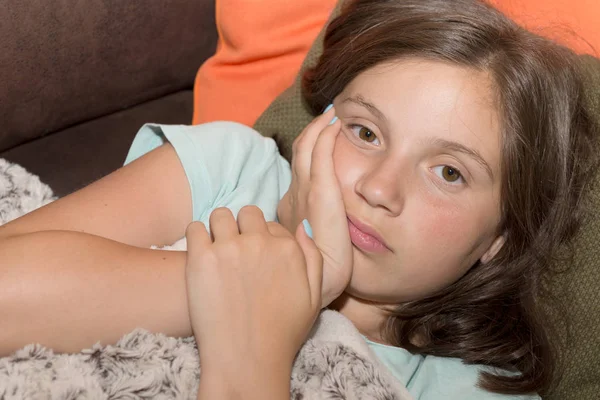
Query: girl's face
418, 162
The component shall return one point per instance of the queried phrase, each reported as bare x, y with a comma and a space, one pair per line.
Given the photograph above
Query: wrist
216, 386
244, 378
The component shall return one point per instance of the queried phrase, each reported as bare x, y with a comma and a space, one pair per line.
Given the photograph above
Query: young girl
437, 188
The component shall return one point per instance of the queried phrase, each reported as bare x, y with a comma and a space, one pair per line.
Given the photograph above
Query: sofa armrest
65, 62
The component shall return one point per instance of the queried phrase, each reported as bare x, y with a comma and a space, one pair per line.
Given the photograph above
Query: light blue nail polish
333, 120
307, 228
328, 108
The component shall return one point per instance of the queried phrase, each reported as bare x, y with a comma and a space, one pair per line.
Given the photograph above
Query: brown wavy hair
494, 314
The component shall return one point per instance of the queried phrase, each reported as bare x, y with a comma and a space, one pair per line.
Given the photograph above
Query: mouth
365, 237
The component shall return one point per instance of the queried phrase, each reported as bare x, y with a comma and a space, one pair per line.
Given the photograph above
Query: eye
364, 134
449, 174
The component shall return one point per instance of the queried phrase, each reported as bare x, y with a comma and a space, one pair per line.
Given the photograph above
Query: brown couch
78, 79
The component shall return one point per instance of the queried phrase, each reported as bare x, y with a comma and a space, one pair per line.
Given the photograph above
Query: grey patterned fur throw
334, 363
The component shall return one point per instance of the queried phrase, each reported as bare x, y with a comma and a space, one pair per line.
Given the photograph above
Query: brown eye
366, 134
450, 174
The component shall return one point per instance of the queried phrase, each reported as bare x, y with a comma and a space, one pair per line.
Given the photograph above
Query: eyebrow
361, 101
461, 148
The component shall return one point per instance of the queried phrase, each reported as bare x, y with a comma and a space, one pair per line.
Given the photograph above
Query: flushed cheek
461, 221
441, 223
434, 253
447, 227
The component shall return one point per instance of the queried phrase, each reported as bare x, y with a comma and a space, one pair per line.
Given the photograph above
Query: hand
254, 293
315, 194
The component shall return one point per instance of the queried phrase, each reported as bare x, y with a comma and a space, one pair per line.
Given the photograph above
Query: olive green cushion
578, 288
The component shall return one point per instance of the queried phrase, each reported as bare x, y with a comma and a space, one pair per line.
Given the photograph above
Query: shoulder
226, 163
217, 138
222, 149
208, 139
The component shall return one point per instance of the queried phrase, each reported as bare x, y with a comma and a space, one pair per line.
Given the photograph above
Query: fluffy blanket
334, 363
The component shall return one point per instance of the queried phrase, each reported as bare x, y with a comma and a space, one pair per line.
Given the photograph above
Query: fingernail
307, 228
328, 108
333, 120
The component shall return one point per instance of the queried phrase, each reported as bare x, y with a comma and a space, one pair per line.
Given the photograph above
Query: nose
383, 186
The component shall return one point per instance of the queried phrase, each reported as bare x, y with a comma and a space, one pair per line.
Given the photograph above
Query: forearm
69, 290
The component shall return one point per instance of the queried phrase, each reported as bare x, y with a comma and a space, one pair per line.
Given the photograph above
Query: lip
367, 238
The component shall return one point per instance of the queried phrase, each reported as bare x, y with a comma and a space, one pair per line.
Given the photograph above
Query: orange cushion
262, 44
574, 23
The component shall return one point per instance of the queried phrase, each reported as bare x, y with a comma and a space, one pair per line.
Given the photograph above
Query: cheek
443, 221
461, 236
451, 227
347, 165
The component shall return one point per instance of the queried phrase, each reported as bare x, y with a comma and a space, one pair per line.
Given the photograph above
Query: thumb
314, 261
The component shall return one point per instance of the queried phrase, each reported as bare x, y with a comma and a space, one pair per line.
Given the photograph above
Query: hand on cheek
316, 195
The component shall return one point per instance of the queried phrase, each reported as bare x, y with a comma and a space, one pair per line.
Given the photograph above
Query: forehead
433, 99
447, 81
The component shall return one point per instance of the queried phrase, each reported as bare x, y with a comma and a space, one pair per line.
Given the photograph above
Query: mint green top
231, 165
227, 165
430, 377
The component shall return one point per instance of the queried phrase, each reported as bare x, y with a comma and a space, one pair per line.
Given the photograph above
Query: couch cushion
578, 288
64, 62
70, 159
261, 46
573, 23
285, 117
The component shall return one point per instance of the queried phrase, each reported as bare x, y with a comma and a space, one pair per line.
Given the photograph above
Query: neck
366, 316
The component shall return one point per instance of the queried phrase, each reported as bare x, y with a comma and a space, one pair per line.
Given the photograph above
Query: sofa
79, 78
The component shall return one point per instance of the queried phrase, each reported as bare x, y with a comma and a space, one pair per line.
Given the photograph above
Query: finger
197, 238
309, 136
321, 168
306, 142
314, 265
276, 229
315, 126
251, 219
222, 224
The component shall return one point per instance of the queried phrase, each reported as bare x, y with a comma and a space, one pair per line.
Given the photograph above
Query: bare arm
147, 202
78, 271
69, 290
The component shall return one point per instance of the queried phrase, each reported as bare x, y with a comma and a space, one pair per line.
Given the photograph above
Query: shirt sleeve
227, 165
